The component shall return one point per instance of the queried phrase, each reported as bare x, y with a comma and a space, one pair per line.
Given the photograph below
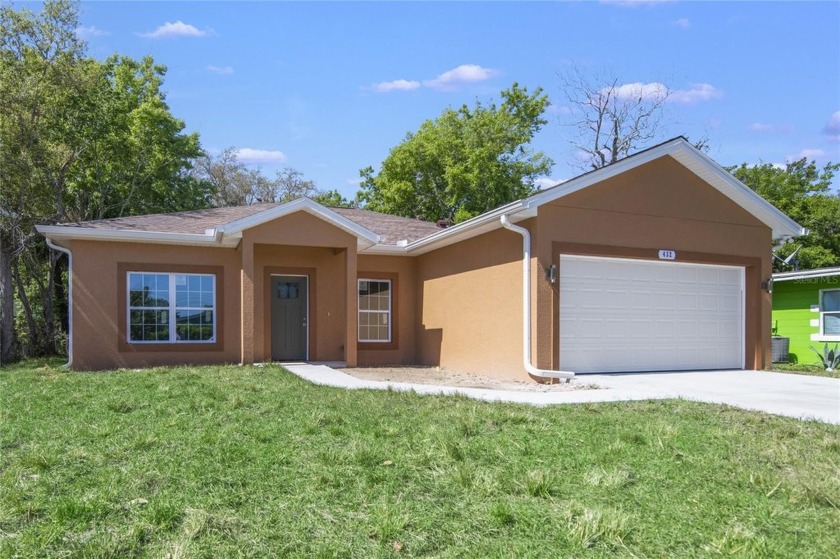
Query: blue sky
329, 88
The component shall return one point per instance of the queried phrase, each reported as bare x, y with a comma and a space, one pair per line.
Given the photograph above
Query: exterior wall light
767, 285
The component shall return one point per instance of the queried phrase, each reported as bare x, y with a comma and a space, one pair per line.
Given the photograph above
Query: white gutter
159, 237
526, 306
69, 299
807, 274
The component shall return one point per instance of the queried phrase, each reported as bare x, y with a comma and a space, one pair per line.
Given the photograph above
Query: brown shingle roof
391, 228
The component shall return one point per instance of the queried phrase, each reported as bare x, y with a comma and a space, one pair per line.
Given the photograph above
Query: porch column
246, 304
351, 305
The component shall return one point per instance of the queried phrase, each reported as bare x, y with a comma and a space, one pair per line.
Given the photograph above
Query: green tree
135, 156
231, 181
79, 139
287, 184
802, 191
465, 162
42, 81
332, 199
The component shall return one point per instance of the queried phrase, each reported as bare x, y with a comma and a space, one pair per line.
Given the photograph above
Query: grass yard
254, 462
799, 369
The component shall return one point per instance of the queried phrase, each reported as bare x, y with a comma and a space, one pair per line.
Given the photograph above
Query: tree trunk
34, 338
8, 336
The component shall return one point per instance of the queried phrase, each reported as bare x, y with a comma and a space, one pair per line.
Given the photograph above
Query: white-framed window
830, 314
374, 310
171, 308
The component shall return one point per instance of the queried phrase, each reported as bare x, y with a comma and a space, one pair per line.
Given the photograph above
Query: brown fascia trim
395, 309
752, 283
312, 287
122, 308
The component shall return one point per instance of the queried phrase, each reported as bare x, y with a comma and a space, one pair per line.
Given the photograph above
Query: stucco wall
96, 292
660, 205
302, 244
470, 306
403, 270
469, 294
327, 313
458, 306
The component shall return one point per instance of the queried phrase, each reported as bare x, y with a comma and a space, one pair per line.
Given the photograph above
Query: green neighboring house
806, 310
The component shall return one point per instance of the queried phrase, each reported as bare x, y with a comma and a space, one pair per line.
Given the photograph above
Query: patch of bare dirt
444, 377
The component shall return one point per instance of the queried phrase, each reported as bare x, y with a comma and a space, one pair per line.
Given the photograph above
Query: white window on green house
830, 314
171, 308
374, 310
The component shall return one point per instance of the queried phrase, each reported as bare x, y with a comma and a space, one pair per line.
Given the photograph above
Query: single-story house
806, 311
661, 261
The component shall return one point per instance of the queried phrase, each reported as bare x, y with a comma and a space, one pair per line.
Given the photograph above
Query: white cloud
449, 80
177, 29
809, 154
635, 90
463, 74
396, 85
256, 156
682, 22
546, 182
354, 182
221, 70
759, 127
558, 110
769, 128
832, 128
698, 92
91, 31
656, 91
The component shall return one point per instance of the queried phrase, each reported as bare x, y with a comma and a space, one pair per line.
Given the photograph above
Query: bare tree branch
611, 119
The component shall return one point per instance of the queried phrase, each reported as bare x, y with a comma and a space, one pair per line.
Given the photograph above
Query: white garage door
640, 315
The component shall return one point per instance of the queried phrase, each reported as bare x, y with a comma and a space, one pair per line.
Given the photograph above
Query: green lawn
254, 462
799, 369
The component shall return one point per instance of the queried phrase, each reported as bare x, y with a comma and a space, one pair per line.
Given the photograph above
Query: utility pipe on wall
526, 307
69, 299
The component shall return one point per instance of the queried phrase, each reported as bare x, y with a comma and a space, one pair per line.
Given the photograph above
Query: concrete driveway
800, 396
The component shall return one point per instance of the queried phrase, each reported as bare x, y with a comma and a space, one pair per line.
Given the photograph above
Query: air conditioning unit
780, 349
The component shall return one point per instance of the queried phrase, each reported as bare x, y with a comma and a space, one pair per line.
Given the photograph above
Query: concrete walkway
799, 396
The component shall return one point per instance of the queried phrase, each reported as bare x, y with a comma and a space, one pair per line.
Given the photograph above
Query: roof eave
698, 163
365, 236
63, 232
782, 226
807, 274
470, 228
384, 249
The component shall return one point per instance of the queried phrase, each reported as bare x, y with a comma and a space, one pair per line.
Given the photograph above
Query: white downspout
526, 306
69, 299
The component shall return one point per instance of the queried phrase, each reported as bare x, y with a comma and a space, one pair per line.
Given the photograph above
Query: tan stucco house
657, 262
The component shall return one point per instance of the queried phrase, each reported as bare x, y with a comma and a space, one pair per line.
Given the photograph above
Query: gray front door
289, 317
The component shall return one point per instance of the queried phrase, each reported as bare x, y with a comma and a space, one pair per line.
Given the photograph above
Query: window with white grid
171, 308
374, 310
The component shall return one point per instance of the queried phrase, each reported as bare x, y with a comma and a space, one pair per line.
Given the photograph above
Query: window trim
172, 309
823, 337
124, 346
393, 320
